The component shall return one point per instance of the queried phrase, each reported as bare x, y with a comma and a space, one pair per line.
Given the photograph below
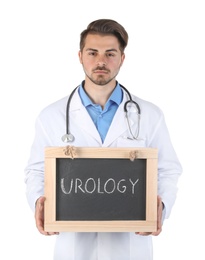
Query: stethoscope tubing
68, 137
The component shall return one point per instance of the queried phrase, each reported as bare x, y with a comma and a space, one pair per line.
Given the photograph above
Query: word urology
91, 185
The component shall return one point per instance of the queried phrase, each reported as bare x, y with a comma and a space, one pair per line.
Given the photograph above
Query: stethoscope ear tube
68, 137
130, 100
135, 103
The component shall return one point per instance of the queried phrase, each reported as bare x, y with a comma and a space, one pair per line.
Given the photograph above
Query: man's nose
101, 61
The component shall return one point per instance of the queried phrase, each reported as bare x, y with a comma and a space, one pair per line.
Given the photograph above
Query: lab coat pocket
126, 142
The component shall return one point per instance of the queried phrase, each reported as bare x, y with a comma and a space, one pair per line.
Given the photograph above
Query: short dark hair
105, 27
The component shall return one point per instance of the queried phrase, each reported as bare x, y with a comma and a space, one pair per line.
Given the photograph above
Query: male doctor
97, 119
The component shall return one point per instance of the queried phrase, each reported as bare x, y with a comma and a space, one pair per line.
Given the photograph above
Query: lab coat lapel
81, 117
84, 121
118, 125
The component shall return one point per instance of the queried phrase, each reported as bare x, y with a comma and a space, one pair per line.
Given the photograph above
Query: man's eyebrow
91, 49
109, 50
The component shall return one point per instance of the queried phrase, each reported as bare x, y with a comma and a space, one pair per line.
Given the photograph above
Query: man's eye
110, 55
92, 53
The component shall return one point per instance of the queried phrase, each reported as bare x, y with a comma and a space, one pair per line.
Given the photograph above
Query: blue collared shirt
102, 118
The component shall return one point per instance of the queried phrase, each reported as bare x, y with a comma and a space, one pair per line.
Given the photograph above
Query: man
96, 118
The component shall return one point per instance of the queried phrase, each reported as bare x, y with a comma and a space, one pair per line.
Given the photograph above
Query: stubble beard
100, 79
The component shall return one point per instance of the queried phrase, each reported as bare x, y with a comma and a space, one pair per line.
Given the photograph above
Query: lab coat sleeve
34, 172
169, 167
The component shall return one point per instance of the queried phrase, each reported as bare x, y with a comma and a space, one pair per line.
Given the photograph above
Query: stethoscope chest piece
68, 138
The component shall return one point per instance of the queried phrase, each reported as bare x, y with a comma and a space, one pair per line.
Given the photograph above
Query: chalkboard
100, 189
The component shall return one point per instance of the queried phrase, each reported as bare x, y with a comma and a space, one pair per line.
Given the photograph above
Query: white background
165, 64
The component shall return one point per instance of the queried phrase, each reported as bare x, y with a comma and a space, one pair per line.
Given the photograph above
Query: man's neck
99, 94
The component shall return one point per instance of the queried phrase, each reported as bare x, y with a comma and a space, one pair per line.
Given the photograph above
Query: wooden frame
147, 225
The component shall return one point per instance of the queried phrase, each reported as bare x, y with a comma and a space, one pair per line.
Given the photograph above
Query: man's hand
39, 217
159, 220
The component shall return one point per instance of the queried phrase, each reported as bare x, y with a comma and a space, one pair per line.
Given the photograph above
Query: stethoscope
69, 138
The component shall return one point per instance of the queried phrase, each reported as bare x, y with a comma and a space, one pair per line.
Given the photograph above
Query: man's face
101, 58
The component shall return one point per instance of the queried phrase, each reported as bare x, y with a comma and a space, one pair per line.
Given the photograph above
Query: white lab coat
51, 126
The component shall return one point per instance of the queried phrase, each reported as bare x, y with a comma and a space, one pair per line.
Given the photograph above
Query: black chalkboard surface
100, 189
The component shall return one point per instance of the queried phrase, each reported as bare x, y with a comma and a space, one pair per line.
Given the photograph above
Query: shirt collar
116, 96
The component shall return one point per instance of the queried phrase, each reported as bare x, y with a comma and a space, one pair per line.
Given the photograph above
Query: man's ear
80, 56
122, 59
